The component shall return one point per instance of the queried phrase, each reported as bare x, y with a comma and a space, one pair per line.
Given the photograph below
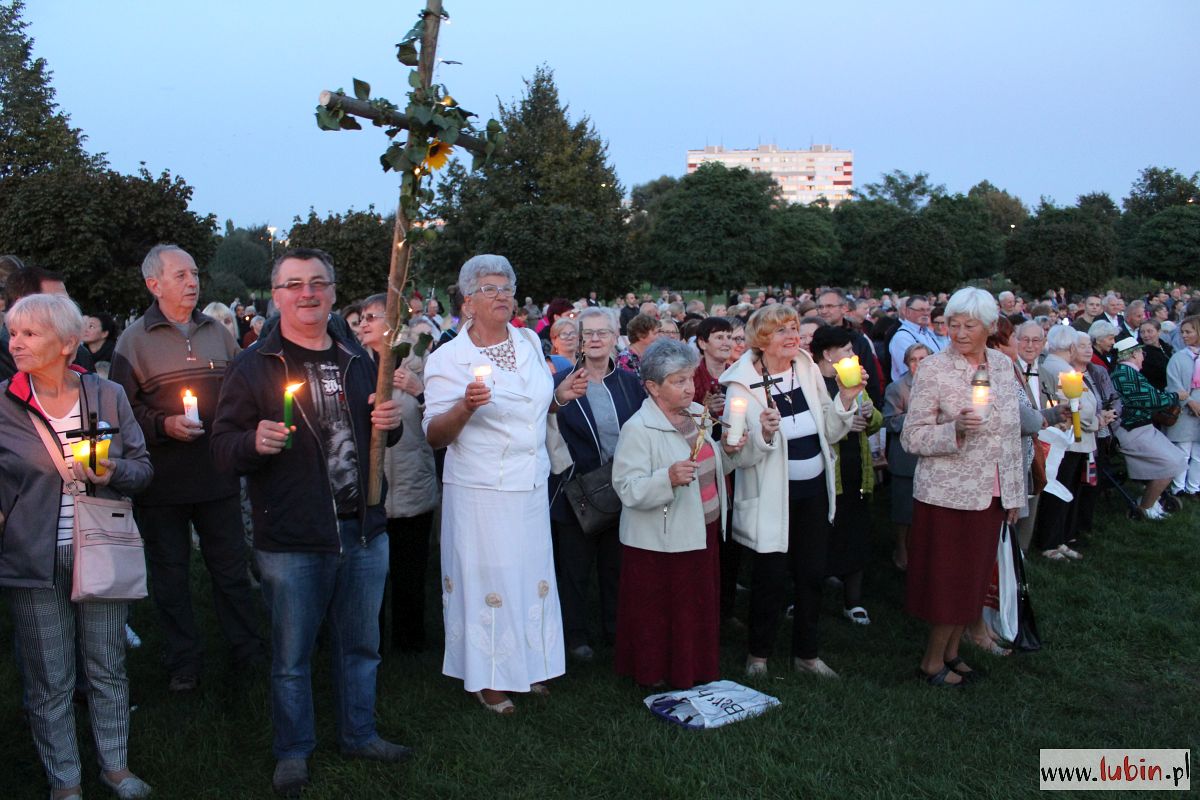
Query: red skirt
950, 558
667, 615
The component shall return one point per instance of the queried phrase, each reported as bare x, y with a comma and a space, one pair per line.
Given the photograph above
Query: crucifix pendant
766, 384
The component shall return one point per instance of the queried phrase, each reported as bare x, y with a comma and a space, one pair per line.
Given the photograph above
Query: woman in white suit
486, 397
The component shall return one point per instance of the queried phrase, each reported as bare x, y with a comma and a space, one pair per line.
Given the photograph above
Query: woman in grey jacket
412, 493
35, 565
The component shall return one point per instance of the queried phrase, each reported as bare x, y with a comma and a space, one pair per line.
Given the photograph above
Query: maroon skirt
950, 559
667, 615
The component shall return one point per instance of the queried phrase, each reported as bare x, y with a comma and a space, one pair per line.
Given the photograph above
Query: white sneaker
817, 667
1154, 512
756, 669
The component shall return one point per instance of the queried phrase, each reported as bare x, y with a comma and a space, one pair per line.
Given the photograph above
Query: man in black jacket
321, 549
832, 307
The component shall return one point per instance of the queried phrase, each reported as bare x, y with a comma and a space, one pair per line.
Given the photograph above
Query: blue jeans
302, 589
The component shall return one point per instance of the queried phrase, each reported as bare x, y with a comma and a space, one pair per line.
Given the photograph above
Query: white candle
191, 406
483, 374
737, 420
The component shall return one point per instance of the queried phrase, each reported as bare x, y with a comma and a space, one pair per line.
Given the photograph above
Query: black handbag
593, 500
1027, 639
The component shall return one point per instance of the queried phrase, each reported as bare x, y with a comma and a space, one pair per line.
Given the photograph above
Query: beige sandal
504, 707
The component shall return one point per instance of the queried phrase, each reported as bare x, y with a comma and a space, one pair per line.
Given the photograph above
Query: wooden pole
398, 272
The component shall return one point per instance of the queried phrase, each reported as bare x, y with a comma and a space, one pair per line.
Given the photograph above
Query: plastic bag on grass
709, 705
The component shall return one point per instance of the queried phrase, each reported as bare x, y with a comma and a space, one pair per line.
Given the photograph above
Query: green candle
288, 400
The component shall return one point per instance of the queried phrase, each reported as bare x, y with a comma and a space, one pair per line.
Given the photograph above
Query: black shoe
184, 682
938, 679
291, 776
966, 674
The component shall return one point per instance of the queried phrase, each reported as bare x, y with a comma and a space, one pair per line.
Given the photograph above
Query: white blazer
503, 445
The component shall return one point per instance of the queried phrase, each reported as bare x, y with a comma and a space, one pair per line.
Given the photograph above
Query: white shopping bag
1002, 617
709, 705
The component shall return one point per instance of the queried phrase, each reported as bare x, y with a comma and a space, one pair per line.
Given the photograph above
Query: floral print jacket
961, 472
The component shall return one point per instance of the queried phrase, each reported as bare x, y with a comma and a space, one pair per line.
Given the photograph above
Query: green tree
1167, 245
645, 200
1159, 188
909, 192
1061, 247
915, 254
548, 161
96, 227
713, 231
1100, 206
34, 134
856, 223
1005, 211
243, 255
360, 243
966, 219
804, 247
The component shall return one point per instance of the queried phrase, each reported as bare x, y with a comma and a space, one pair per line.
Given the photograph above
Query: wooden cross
401, 250
766, 384
93, 433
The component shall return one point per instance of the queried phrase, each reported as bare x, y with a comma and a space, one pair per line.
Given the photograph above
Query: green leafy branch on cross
433, 120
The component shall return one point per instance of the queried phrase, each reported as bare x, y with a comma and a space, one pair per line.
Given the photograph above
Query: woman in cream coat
671, 527
784, 496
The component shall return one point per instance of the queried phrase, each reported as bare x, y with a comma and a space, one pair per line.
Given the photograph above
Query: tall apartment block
803, 175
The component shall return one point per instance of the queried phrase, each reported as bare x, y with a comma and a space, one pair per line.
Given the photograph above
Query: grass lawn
1120, 669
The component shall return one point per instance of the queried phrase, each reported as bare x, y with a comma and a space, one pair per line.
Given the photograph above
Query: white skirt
499, 596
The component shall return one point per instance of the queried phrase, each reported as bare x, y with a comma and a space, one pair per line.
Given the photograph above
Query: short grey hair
911, 350
152, 264
1101, 328
305, 254
1006, 296
477, 268
56, 313
561, 324
974, 303
607, 314
1061, 337
1033, 324
1135, 304
666, 357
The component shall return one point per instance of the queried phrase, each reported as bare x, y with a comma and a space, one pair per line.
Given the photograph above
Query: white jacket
503, 446
760, 496
655, 515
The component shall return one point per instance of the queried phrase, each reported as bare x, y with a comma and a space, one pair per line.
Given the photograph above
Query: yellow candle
82, 450
849, 371
1071, 384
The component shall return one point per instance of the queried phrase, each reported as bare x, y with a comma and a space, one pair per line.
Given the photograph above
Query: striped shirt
799, 428
73, 421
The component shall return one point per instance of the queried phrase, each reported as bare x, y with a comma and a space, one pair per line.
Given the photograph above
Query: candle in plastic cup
82, 450
191, 406
483, 374
849, 371
737, 420
1071, 384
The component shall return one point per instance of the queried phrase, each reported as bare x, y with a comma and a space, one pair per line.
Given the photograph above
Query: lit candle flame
293, 388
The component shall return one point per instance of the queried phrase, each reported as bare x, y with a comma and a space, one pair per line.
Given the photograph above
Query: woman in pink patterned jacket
968, 481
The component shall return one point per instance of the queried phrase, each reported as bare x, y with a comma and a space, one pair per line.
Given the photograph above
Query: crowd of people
662, 448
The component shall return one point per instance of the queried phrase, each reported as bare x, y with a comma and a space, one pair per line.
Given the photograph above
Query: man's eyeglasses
1030, 340
317, 285
491, 291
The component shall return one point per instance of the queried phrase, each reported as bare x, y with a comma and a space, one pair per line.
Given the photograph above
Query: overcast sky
1041, 98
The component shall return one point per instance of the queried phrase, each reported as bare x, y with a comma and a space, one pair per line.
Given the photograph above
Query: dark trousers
168, 552
575, 552
408, 563
731, 562
1056, 520
804, 563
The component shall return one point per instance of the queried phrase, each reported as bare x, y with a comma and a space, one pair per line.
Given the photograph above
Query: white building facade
802, 175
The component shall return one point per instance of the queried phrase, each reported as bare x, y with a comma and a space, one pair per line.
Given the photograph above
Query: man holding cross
169, 351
